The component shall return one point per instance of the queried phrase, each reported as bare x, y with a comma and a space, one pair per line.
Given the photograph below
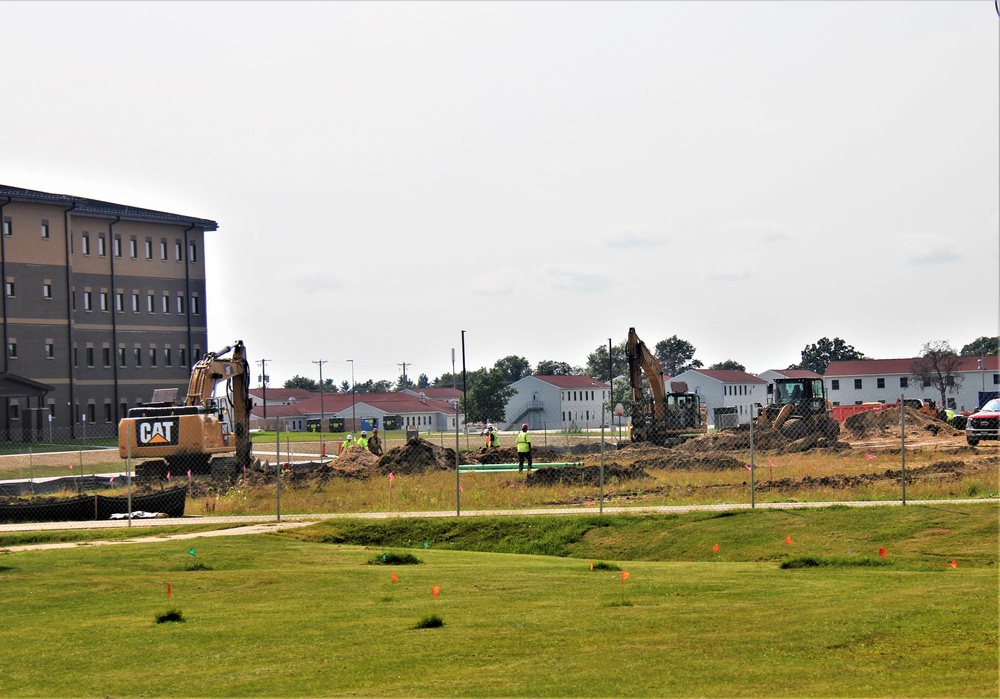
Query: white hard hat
350, 437
363, 433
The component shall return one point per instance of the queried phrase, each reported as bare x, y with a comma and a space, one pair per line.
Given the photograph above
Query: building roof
290, 395
575, 381
392, 403
728, 375
274, 411
442, 393
871, 367
82, 206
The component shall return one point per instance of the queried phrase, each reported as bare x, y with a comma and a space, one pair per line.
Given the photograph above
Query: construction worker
523, 448
363, 442
492, 438
375, 443
346, 444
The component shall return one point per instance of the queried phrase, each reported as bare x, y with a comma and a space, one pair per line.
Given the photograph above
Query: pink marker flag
169, 591
591, 565
870, 457
625, 575
771, 463
460, 488
168, 475
189, 473
747, 467
953, 564
590, 503
716, 548
394, 578
882, 552
788, 540
112, 479
434, 591
71, 467
392, 476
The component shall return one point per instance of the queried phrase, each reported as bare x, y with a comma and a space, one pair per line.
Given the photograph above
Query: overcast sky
750, 176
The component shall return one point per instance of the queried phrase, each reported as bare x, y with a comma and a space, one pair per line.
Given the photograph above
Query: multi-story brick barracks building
102, 304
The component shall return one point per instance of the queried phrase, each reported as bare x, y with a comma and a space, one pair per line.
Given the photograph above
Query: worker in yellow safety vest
523, 448
363, 442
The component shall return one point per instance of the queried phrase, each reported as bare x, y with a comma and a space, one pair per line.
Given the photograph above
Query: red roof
797, 373
442, 393
282, 394
870, 367
575, 381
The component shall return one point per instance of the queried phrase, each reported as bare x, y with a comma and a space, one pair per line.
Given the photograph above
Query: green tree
513, 367
597, 362
730, 364
488, 393
817, 357
982, 347
301, 382
937, 368
423, 381
676, 356
448, 380
345, 386
380, 386
548, 367
400, 385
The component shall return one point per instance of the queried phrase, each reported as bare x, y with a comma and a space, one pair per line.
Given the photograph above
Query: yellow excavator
187, 436
671, 417
798, 409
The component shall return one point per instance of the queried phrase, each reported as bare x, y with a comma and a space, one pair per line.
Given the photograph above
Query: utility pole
403, 385
322, 409
263, 383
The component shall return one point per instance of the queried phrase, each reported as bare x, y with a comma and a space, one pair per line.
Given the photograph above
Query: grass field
306, 613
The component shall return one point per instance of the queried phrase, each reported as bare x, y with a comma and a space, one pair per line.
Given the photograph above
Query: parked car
984, 423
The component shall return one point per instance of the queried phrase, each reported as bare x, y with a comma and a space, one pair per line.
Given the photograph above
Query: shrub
394, 559
431, 621
172, 615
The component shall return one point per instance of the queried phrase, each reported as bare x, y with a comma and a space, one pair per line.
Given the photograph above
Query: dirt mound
886, 424
583, 475
693, 462
417, 456
508, 455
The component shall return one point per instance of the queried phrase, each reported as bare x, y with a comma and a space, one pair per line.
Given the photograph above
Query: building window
91, 412
8, 228
102, 245
106, 356
166, 304
834, 384
180, 305
135, 302
120, 301
149, 303
193, 252
996, 379
857, 384
9, 288
117, 244
133, 248
12, 349
121, 357
50, 350
107, 412
904, 381
194, 305
88, 301
85, 243
166, 357
76, 358
149, 248
14, 410
926, 384
152, 356
182, 356
949, 380
163, 249
104, 301
90, 356
179, 251
195, 355
47, 290
45, 229
138, 356
880, 383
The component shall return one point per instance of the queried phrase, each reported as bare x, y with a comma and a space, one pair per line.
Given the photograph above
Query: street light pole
354, 417
322, 408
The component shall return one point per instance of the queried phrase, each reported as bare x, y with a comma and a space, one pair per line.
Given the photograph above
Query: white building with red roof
727, 394
885, 380
361, 411
556, 402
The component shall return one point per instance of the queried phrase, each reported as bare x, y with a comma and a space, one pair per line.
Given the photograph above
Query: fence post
31, 470
277, 453
128, 469
601, 506
902, 444
753, 497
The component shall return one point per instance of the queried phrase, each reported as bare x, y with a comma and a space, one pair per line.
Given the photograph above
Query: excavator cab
799, 407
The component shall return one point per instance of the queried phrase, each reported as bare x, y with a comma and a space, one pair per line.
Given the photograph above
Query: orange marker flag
591, 565
882, 552
788, 540
394, 578
954, 564
434, 591
624, 575
169, 591
716, 548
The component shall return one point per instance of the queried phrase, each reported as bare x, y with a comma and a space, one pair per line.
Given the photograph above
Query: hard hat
374, 429
524, 426
350, 437
363, 433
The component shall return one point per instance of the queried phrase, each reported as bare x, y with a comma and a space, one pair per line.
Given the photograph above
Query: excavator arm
235, 370
640, 359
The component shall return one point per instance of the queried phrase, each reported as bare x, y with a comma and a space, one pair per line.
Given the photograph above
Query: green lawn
297, 615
